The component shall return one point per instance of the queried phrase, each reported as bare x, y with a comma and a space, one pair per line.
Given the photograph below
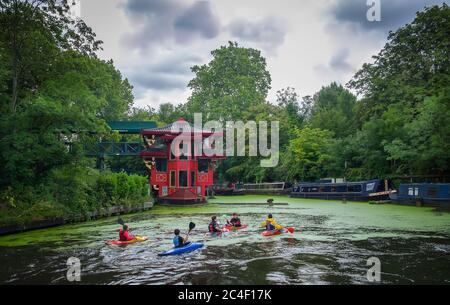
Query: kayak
188, 248
121, 243
277, 232
228, 228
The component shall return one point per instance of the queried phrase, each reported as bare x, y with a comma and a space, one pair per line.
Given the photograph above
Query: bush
71, 191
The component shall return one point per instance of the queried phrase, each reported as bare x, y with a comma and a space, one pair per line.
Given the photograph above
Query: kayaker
179, 241
270, 224
234, 221
213, 226
124, 235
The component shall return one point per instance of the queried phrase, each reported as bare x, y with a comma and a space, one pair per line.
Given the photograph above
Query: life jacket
270, 227
235, 222
212, 226
178, 241
125, 236
273, 224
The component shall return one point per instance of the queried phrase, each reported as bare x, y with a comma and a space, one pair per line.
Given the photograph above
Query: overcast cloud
394, 13
307, 43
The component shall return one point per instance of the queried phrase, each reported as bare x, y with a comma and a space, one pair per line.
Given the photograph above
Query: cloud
394, 13
339, 61
197, 20
267, 33
168, 22
339, 68
168, 74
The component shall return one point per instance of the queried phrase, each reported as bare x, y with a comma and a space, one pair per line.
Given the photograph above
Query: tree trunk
15, 87
15, 64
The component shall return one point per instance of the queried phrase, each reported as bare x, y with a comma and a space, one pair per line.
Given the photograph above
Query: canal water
332, 244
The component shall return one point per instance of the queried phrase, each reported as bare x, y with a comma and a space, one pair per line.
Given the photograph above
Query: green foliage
333, 110
414, 64
405, 109
55, 98
73, 190
234, 80
307, 154
34, 33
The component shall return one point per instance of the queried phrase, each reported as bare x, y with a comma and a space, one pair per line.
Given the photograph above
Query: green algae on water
313, 219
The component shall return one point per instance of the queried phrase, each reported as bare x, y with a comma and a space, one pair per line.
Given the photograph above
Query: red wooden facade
179, 178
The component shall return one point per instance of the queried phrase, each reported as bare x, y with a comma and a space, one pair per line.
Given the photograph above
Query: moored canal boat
372, 190
430, 194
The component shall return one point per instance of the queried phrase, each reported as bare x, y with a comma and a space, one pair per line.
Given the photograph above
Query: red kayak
277, 232
228, 228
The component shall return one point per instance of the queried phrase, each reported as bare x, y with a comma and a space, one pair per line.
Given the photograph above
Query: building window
172, 179
410, 191
192, 178
161, 165
370, 187
183, 149
203, 166
183, 178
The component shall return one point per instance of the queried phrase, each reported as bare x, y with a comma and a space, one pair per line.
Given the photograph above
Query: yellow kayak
120, 242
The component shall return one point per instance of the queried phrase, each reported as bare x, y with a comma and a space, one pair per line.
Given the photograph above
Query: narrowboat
430, 194
372, 190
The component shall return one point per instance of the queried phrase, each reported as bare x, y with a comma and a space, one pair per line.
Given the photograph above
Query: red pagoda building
182, 177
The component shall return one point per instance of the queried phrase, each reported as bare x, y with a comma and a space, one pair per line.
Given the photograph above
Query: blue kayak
187, 248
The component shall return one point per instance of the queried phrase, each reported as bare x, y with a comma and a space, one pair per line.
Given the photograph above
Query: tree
307, 154
413, 65
64, 92
33, 33
72, 107
333, 109
405, 100
233, 81
287, 100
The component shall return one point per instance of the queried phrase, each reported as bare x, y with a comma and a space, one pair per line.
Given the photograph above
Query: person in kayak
270, 224
234, 221
124, 235
179, 241
213, 226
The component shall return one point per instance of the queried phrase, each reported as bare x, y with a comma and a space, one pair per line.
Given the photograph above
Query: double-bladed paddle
191, 227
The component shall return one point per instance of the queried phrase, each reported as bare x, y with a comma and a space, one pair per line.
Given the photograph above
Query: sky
307, 43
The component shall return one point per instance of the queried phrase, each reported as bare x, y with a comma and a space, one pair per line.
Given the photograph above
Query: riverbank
73, 194
69, 219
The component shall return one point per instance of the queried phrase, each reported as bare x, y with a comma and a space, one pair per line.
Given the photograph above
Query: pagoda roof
176, 127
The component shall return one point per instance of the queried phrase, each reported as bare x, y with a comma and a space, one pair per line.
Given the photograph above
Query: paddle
120, 221
191, 227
